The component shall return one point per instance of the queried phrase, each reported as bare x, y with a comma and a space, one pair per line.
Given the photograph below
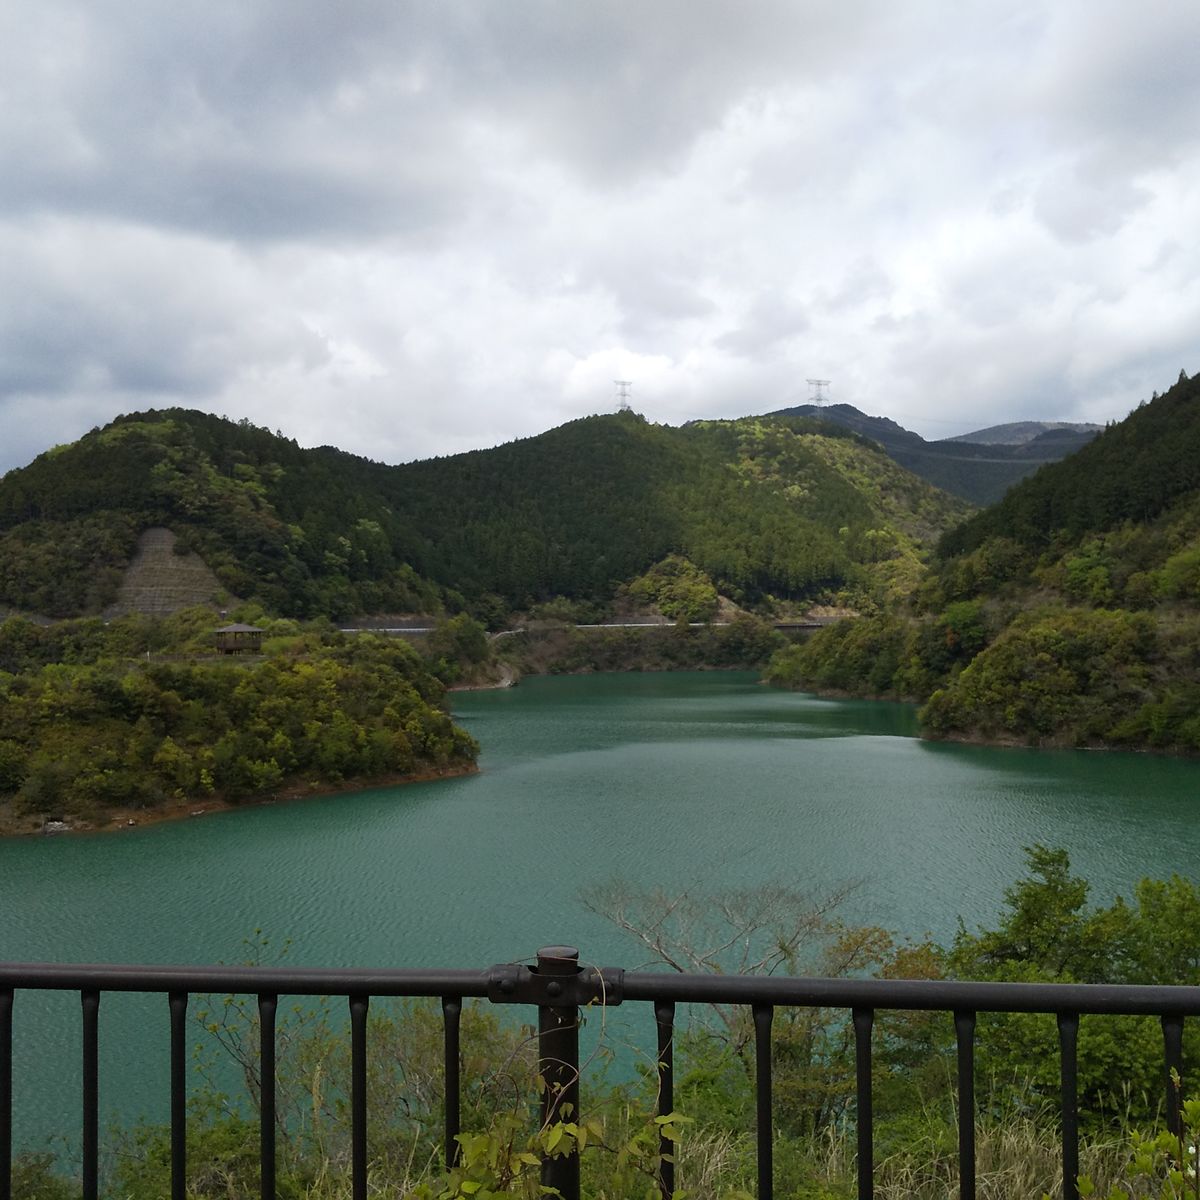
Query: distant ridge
1018, 433
977, 471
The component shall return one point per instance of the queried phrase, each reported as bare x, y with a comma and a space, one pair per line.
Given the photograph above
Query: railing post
558, 1064
451, 1023
6, 1004
1172, 1028
1068, 1040
90, 1000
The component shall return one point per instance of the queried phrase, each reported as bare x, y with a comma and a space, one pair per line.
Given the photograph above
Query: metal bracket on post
560, 988
516, 983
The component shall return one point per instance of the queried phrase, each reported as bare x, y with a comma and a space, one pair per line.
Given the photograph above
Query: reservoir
690, 781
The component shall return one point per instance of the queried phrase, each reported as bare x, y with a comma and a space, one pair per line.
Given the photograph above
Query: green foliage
63, 567
745, 643
455, 646
678, 589
222, 1157
989, 568
1057, 676
34, 1178
1064, 615
560, 610
501, 1149
304, 531
759, 507
104, 731
1048, 934
863, 656
1161, 1165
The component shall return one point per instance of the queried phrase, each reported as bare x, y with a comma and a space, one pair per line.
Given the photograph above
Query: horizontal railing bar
916, 994
910, 994
309, 981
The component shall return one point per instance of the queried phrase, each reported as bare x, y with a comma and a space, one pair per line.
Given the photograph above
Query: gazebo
239, 639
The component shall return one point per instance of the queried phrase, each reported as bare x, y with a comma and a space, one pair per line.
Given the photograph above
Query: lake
693, 781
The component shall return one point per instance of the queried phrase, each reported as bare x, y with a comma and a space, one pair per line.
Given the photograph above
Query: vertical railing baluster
358, 1095
451, 1019
764, 1014
1172, 1028
178, 1002
6, 1005
863, 1019
1068, 1039
664, 1019
558, 1062
268, 1005
90, 1000
964, 1032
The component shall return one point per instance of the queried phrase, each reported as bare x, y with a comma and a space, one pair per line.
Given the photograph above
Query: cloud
413, 229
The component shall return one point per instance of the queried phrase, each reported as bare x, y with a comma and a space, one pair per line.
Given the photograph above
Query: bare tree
769, 929
746, 931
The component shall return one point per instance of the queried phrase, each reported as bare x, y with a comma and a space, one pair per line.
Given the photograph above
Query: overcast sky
410, 229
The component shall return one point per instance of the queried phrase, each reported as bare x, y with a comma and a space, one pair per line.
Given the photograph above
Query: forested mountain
1134, 471
788, 508
980, 472
1017, 433
1069, 613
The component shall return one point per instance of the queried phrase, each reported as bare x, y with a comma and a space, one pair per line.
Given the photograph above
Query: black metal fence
559, 987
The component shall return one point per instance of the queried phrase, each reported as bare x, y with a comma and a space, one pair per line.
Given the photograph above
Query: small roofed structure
239, 639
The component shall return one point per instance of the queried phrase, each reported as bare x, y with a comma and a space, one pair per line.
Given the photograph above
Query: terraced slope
160, 581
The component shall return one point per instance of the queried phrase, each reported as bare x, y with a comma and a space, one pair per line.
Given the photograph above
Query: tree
1047, 933
766, 930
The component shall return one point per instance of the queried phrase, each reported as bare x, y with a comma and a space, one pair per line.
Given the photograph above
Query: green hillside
1132, 472
789, 509
140, 715
1067, 614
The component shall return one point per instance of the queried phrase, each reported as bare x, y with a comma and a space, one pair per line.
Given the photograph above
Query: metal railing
559, 987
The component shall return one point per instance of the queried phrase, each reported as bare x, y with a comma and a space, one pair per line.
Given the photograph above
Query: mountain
1066, 614
1136, 470
980, 472
1017, 433
784, 508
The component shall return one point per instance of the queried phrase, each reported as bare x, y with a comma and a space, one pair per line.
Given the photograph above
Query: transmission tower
623, 386
818, 386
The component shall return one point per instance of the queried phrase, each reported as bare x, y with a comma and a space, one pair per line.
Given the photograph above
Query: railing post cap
549, 956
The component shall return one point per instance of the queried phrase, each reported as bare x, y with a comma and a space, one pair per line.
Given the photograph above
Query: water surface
690, 781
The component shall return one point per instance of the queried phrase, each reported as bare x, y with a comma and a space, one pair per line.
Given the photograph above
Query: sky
409, 228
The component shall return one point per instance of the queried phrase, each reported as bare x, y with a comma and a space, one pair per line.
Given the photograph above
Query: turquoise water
691, 781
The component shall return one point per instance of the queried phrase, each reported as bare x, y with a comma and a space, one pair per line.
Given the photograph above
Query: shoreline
999, 741
117, 819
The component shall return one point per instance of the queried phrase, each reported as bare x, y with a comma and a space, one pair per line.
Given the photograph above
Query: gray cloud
409, 229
